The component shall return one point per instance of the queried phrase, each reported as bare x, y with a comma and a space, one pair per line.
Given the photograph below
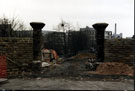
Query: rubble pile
114, 68
84, 56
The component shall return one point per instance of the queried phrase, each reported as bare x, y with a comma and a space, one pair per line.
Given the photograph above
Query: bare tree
16, 24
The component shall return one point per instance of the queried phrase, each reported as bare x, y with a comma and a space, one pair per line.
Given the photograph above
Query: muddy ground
70, 74
76, 69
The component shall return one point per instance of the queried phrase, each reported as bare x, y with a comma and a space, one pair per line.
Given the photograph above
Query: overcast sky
81, 12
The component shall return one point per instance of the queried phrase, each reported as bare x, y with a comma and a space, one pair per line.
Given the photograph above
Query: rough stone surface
37, 34
65, 84
100, 28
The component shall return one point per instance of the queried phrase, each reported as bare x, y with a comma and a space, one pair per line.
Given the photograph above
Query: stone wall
119, 50
18, 51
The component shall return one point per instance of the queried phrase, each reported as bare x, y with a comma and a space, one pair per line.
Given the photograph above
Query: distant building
92, 32
108, 34
117, 36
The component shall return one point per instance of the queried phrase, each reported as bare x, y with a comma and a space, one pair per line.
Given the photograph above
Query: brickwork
119, 50
18, 51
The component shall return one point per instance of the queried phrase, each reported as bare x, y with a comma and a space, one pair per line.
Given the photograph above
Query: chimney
100, 29
37, 34
115, 29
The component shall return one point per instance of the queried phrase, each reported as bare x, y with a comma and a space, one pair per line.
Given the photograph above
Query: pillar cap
100, 25
37, 25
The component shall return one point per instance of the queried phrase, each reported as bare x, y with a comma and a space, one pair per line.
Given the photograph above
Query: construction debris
91, 64
45, 64
49, 55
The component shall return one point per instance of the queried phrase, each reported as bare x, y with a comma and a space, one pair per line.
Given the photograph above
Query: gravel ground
65, 84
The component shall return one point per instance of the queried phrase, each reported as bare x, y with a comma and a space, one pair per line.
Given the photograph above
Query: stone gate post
37, 34
100, 29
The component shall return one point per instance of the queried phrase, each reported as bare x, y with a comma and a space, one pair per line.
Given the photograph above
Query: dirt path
65, 84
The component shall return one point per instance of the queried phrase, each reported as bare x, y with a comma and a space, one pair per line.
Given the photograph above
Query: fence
15, 33
69, 43
23, 33
56, 41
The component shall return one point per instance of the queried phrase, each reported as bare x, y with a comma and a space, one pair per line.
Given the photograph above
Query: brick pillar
100, 29
37, 34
